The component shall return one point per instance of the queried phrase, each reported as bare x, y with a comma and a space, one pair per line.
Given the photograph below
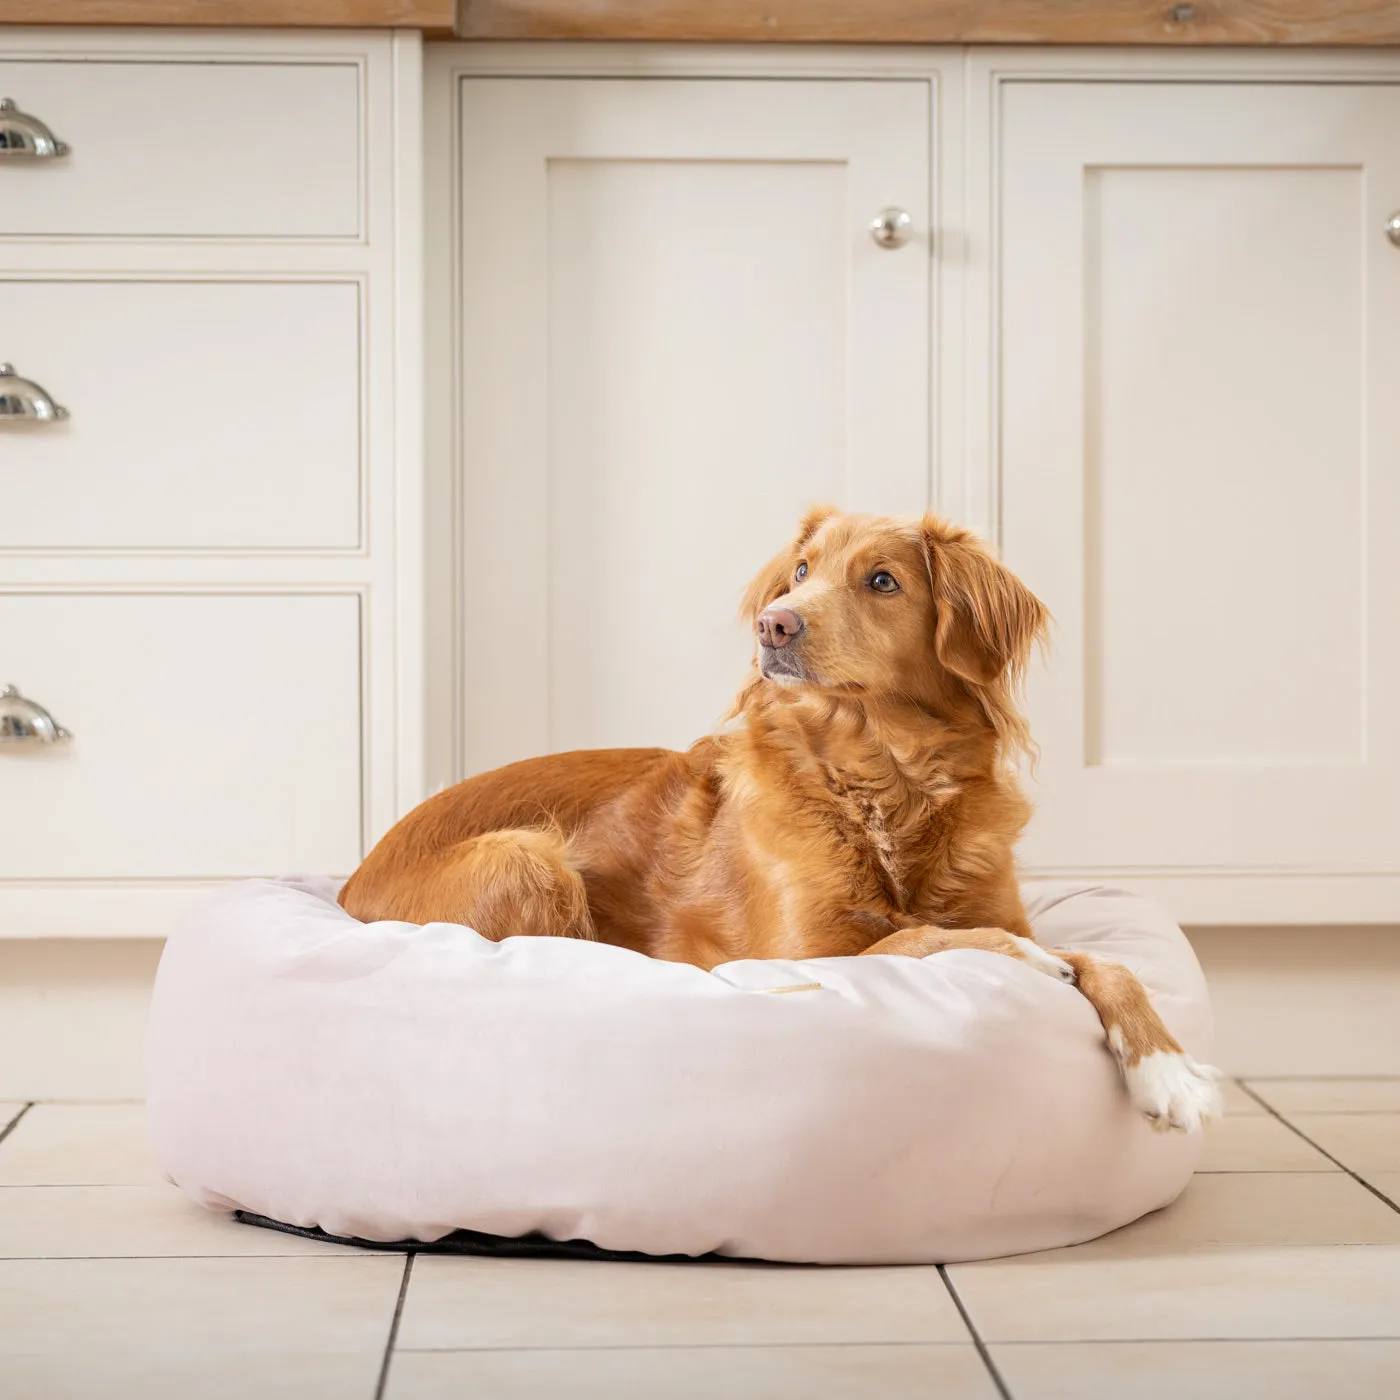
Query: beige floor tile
1368, 1370
1365, 1142
8, 1113
916, 1372
131, 1222
1237, 1102
87, 1144
166, 1376
457, 1304
196, 1307
1256, 1208
1244, 1144
1291, 1096
1243, 1293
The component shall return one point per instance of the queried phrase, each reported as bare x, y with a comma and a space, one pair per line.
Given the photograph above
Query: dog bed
391, 1083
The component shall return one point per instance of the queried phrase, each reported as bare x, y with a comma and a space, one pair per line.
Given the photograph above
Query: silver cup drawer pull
24, 401
26, 724
23, 137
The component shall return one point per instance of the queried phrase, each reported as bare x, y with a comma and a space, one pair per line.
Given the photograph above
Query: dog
862, 801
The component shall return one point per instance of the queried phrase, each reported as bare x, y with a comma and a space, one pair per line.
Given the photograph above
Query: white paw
1038, 958
1172, 1091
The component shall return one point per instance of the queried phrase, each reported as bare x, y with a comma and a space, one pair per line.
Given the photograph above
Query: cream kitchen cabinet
675, 330
209, 567
211, 734
1145, 334
1198, 457
147, 128
191, 399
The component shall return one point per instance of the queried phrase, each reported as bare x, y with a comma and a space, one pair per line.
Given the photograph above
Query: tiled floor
1277, 1276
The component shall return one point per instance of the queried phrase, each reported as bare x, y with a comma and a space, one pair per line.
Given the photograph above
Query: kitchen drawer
213, 735
203, 415
186, 149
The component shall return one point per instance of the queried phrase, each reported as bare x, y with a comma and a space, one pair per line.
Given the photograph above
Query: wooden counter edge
1186, 23
433, 16
1174, 22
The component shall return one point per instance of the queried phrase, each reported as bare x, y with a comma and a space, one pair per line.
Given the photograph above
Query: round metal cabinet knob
1392, 228
26, 137
25, 723
23, 401
891, 228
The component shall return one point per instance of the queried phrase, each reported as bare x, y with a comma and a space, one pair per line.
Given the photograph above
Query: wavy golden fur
864, 800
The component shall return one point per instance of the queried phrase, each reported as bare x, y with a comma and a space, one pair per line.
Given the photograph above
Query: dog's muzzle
778, 630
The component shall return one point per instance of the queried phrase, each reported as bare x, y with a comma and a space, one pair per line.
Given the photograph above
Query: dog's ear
775, 577
987, 619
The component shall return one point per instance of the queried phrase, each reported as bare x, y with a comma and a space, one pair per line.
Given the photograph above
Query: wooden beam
1186, 22
266, 14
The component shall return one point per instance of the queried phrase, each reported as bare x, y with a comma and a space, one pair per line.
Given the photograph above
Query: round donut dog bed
389, 1083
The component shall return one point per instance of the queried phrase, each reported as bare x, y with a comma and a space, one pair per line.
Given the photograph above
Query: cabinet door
676, 332
1200, 474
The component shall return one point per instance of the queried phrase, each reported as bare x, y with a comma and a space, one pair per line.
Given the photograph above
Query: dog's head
918, 611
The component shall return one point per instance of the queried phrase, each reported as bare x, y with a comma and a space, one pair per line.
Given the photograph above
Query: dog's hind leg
501, 883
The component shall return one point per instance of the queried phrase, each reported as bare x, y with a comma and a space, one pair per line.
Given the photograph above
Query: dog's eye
884, 583
801, 571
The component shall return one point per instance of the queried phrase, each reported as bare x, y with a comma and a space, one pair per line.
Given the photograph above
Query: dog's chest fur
861, 818
848, 816
888, 823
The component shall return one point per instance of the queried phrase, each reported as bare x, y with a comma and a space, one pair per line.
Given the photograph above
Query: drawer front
203, 415
179, 150
213, 735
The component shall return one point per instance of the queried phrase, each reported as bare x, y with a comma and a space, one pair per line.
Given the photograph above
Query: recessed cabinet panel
186, 150
677, 334
213, 735
1200, 426
203, 415
687, 420
1224, 466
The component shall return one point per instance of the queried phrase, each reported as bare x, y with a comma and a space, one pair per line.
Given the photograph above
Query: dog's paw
1031, 952
1172, 1091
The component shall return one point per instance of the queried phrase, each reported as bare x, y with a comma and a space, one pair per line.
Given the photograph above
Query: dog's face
893, 608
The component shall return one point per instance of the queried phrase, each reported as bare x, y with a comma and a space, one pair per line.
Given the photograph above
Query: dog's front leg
924, 939
1165, 1084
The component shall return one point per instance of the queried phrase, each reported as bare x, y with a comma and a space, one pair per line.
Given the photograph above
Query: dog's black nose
778, 626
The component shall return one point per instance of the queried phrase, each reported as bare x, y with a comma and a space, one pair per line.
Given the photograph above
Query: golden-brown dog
864, 803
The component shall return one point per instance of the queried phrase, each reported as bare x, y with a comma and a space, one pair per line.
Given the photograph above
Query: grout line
1292, 1128
349, 1257
83, 1103
1258, 1340
976, 1336
14, 1122
1314, 1079
394, 1327
691, 1346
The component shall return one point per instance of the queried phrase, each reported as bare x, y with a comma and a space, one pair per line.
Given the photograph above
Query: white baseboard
90, 909
1267, 897
1304, 1000
73, 1017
